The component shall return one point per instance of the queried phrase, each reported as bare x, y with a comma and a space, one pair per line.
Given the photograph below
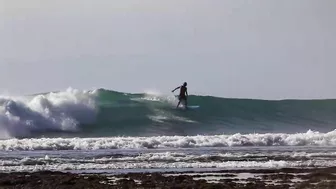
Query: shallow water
168, 159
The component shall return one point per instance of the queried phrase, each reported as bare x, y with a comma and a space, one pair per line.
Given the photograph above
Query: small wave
146, 165
309, 138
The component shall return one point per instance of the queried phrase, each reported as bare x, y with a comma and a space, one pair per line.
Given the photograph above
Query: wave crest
54, 112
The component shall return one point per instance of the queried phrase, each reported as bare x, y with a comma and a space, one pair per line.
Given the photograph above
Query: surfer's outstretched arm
176, 88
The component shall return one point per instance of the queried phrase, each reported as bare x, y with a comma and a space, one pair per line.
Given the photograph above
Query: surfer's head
185, 84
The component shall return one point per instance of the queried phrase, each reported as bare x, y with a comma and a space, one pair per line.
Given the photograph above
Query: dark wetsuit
182, 95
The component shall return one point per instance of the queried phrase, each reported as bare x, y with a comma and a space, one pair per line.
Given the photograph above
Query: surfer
183, 94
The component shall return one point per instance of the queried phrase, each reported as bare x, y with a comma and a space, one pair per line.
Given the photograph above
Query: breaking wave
105, 113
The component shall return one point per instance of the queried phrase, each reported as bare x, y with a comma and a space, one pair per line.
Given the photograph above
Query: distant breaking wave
105, 113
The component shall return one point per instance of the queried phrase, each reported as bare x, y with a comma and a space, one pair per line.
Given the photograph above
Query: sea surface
108, 131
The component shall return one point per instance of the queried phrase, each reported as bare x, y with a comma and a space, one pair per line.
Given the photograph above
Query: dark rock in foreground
260, 179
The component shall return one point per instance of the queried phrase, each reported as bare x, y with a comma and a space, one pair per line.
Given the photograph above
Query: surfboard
193, 107
189, 107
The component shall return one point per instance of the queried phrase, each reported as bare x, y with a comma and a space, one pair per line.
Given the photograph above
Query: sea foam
59, 111
309, 138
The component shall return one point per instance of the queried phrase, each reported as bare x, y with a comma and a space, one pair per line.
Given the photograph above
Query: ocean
107, 131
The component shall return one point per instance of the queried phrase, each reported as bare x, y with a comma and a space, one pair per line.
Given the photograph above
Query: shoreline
242, 179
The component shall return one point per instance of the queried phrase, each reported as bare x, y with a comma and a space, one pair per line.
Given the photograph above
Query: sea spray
43, 113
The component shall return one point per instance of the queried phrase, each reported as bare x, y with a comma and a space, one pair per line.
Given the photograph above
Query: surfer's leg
178, 104
180, 99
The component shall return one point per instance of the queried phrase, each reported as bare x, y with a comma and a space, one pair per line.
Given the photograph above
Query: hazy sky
271, 49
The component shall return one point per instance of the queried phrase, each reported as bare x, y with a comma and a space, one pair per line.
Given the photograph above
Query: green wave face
151, 115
